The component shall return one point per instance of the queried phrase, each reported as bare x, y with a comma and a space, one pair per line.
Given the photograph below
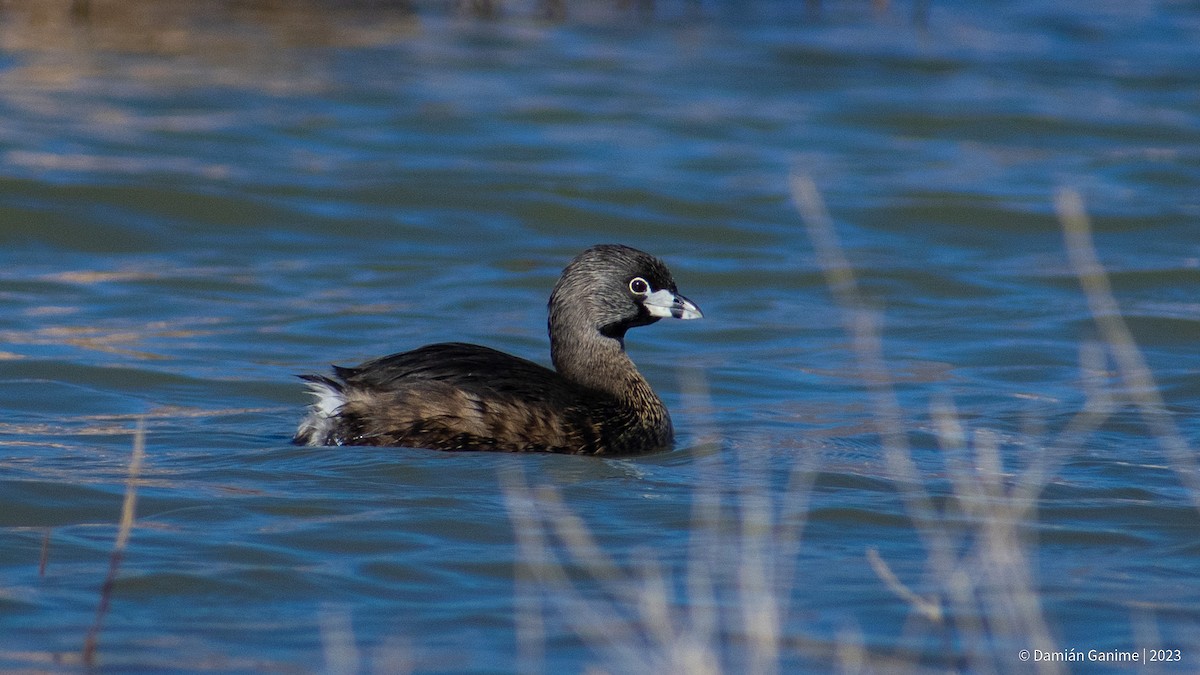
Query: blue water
199, 201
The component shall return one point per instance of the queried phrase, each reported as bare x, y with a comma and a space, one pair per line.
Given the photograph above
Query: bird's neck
601, 364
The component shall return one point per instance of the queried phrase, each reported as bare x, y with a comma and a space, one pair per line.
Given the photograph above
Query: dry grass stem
862, 325
338, 644
128, 508
1139, 381
985, 572
630, 614
929, 607
978, 596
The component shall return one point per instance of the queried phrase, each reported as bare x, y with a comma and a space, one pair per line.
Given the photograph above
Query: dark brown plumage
456, 396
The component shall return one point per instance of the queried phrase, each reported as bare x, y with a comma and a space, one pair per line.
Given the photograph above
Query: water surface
198, 202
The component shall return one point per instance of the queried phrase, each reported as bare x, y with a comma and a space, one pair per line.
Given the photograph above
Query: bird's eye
639, 286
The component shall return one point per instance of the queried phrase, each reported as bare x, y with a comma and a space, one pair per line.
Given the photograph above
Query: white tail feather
317, 425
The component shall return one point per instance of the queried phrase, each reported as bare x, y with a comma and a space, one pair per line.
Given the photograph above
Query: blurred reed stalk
1140, 386
631, 614
980, 591
978, 596
128, 508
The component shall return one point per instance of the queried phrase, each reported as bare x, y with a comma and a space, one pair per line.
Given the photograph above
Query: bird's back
456, 396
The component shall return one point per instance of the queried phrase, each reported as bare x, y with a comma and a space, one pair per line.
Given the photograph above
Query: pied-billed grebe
456, 396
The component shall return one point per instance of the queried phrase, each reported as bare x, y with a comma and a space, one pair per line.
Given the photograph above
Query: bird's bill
667, 305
